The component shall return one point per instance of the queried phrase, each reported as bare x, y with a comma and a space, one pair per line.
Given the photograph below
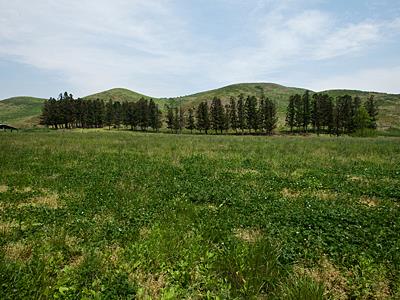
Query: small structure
5, 127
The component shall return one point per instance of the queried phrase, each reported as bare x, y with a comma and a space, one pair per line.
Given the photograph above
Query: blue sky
171, 48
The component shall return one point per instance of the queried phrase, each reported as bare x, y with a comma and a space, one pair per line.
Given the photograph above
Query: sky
167, 48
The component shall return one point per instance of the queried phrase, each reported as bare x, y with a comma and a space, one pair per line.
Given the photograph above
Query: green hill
117, 94
277, 92
21, 111
25, 111
389, 104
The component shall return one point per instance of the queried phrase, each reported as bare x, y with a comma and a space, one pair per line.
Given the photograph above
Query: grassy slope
117, 94
114, 214
277, 92
122, 95
21, 111
24, 111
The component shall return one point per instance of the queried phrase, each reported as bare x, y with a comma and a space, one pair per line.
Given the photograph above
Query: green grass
86, 214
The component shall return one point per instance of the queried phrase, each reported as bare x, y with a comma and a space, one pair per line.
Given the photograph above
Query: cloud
148, 45
354, 37
94, 44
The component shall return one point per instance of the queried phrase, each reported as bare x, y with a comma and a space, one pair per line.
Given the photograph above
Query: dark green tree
241, 113
117, 116
306, 110
270, 118
190, 121
251, 113
290, 113
154, 116
202, 117
170, 117
372, 109
181, 119
109, 117
176, 123
233, 115
217, 115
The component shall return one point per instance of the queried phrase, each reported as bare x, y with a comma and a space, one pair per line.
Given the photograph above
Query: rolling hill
21, 111
277, 92
119, 94
25, 111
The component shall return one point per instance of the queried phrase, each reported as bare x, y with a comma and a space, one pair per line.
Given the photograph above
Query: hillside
389, 104
21, 111
25, 111
117, 94
277, 92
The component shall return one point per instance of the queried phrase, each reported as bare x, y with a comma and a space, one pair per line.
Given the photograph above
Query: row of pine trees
67, 112
323, 113
318, 113
250, 114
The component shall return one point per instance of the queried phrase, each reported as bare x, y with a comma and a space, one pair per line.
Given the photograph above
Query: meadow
119, 214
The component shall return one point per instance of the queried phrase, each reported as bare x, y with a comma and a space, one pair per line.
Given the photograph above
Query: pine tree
99, 113
337, 124
372, 109
316, 112
170, 118
154, 115
143, 108
80, 112
241, 113
226, 117
181, 119
269, 113
328, 114
202, 117
298, 111
290, 113
45, 118
117, 116
216, 115
109, 118
345, 112
190, 121
306, 110
233, 118
176, 125
251, 113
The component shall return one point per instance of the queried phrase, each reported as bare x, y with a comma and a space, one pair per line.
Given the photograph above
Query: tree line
248, 114
67, 112
319, 113
325, 114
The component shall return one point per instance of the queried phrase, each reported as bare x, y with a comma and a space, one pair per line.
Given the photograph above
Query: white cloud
148, 46
354, 37
95, 44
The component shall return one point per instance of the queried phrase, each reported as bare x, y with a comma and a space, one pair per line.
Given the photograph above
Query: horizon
195, 92
87, 47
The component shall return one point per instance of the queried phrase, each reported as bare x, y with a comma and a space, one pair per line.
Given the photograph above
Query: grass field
92, 215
